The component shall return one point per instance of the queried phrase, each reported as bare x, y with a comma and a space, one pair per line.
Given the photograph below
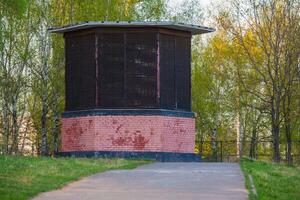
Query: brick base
128, 133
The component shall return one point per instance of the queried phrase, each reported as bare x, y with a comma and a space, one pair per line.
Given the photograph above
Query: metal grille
127, 70
140, 86
111, 70
80, 72
175, 72
183, 73
122, 71
167, 68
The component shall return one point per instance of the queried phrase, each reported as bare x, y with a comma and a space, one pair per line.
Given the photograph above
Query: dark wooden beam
158, 71
96, 69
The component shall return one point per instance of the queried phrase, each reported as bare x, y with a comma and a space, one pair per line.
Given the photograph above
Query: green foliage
188, 11
204, 102
25, 177
214, 87
68, 12
231, 86
65, 12
245, 86
272, 181
32, 62
17, 7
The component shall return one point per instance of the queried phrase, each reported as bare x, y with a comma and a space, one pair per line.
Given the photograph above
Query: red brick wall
128, 133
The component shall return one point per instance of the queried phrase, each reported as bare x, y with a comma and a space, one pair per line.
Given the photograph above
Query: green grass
25, 177
272, 181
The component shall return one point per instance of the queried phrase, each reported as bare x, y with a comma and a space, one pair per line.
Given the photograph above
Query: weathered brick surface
128, 133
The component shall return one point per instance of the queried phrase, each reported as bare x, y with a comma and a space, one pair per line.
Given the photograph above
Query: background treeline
246, 79
246, 75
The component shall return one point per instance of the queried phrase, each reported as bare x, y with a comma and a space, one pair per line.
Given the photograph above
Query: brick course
128, 133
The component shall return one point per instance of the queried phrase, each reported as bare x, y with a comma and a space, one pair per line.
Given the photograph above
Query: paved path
158, 181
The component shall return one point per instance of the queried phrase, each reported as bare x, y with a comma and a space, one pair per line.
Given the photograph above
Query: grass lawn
25, 177
272, 181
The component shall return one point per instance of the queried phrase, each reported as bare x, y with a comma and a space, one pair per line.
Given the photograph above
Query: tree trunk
252, 153
288, 134
5, 120
44, 148
55, 128
275, 111
276, 149
239, 136
275, 135
289, 156
201, 145
287, 125
214, 143
32, 148
15, 129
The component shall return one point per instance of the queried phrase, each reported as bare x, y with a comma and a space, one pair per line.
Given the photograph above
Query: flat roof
193, 29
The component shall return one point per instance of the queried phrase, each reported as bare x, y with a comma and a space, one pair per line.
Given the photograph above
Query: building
128, 90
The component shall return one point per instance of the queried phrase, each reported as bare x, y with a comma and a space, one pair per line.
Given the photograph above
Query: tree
15, 37
271, 24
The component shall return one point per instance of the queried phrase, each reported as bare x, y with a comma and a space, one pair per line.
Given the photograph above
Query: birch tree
15, 53
41, 70
272, 23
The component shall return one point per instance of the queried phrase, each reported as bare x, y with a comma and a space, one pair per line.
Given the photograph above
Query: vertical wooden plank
67, 106
174, 72
111, 66
158, 71
80, 72
97, 68
190, 74
167, 58
141, 80
125, 67
183, 73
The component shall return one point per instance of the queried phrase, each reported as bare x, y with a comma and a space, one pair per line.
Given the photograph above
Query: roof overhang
193, 29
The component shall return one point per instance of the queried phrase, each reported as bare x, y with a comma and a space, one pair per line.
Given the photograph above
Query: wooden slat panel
167, 69
141, 70
183, 73
80, 72
111, 70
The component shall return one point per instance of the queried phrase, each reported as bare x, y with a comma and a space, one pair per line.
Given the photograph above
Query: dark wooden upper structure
128, 65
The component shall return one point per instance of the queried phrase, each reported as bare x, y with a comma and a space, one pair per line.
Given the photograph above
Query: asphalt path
158, 181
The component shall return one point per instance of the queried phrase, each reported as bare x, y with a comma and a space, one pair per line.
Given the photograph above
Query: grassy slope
272, 181
24, 177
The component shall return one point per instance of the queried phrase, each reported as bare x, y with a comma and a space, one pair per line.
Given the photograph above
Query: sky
203, 3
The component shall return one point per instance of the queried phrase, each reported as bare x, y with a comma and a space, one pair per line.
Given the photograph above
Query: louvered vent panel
183, 73
80, 72
127, 70
167, 71
111, 70
141, 56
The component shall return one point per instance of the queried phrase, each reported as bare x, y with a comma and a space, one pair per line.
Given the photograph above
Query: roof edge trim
193, 29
